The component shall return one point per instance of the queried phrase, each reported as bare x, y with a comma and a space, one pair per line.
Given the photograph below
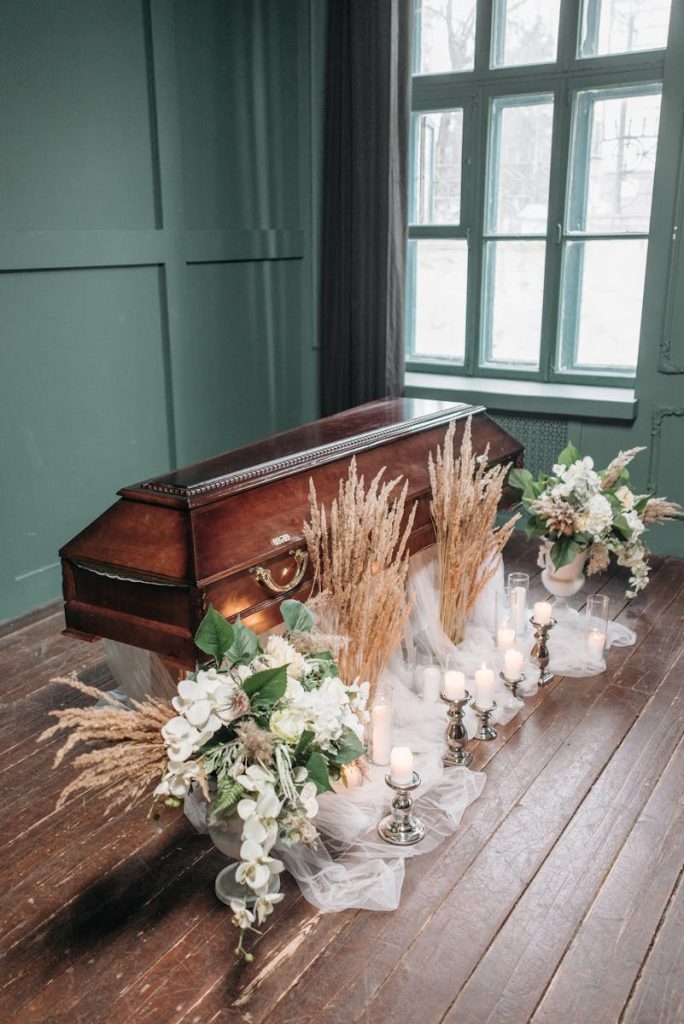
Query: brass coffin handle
265, 576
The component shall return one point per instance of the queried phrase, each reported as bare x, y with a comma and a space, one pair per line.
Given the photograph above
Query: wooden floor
559, 900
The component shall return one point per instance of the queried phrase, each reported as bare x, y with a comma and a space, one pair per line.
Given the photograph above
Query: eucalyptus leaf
215, 635
297, 617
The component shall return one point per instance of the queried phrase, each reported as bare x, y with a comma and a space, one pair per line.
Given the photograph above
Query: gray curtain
365, 204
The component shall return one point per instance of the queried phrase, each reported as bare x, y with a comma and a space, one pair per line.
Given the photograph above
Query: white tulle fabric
352, 866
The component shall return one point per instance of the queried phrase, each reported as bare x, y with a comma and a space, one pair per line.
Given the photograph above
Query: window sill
525, 396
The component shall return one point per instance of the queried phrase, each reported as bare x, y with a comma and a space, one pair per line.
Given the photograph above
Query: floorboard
559, 899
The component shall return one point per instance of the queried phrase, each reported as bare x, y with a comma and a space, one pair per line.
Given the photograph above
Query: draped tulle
352, 866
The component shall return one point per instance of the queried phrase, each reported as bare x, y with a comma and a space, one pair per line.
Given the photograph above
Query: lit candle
484, 687
542, 613
505, 637
432, 683
513, 661
518, 603
454, 685
596, 641
401, 765
381, 733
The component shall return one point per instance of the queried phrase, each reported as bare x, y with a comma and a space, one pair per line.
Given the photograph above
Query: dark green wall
158, 210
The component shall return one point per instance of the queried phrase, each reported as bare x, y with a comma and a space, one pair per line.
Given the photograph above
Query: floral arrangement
260, 734
581, 509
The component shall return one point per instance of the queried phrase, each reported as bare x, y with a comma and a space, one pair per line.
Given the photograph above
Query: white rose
288, 724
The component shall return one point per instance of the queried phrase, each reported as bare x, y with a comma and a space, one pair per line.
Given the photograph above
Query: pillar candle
381, 733
542, 612
513, 661
401, 765
432, 683
505, 638
596, 641
484, 687
454, 685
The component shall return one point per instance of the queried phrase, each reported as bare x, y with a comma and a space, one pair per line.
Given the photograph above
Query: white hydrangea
579, 478
596, 517
328, 710
635, 524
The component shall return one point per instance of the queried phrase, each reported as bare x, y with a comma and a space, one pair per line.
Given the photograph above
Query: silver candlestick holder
400, 827
540, 651
456, 733
513, 684
485, 732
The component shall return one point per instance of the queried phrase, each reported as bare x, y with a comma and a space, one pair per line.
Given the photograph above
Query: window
534, 139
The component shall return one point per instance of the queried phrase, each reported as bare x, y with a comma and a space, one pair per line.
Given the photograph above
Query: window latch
559, 234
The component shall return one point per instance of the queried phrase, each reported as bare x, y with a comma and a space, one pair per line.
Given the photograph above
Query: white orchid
178, 779
264, 905
242, 917
181, 738
256, 867
255, 777
210, 701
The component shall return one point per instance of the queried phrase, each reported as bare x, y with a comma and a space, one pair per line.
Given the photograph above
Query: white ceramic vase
566, 582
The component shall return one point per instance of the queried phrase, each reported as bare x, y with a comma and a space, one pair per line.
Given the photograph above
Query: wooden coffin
228, 531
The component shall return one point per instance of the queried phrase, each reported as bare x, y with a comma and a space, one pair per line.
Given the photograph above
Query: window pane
512, 302
519, 165
445, 36
622, 26
437, 151
602, 294
615, 138
525, 32
440, 273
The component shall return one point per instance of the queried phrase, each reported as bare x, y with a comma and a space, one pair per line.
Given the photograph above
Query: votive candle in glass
518, 585
505, 637
432, 683
381, 732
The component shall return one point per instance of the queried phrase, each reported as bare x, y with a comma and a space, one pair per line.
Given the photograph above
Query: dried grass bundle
465, 499
130, 754
660, 510
360, 559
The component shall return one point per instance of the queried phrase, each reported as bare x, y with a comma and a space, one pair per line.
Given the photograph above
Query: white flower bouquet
581, 509
262, 734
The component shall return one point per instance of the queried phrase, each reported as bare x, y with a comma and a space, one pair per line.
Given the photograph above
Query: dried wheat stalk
465, 499
359, 555
130, 754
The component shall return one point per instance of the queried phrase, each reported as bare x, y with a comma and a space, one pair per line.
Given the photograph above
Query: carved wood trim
232, 483
660, 413
665, 361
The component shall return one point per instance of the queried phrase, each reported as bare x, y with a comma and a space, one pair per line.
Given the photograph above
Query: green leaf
326, 666
564, 551
569, 455
305, 741
622, 526
347, 748
245, 644
520, 479
317, 767
267, 686
297, 616
228, 795
215, 635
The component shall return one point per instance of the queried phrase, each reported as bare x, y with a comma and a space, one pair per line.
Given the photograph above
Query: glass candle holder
380, 727
503, 610
518, 588
597, 624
